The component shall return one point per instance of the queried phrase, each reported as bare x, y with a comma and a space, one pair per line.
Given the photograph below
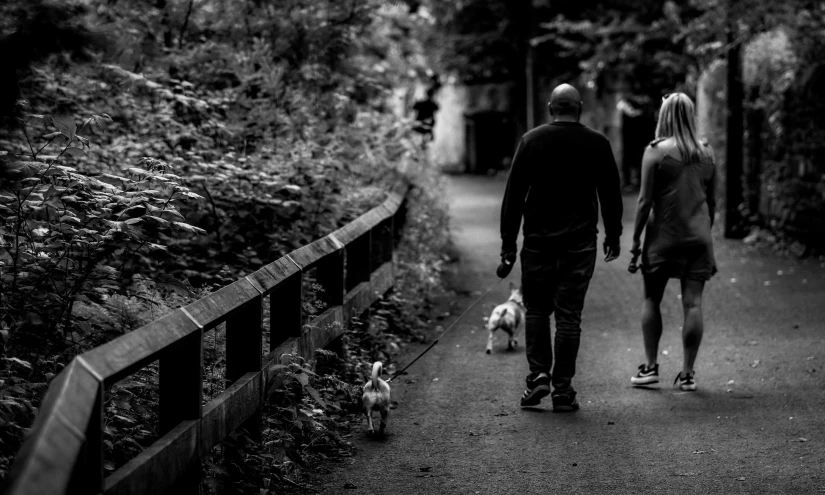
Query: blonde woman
675, 209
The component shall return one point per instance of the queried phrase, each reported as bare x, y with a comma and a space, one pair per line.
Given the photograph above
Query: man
425, 114
561, 173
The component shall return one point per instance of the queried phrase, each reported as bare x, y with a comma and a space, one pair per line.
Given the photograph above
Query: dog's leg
511, 342
384, 415
490, 342
371, 429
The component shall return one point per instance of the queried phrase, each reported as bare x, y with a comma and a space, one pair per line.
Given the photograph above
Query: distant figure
561, 174
678, 185
425, 114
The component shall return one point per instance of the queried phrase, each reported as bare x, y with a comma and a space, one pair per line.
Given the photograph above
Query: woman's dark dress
677, 240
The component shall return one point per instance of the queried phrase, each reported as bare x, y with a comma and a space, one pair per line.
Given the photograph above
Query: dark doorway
637, 132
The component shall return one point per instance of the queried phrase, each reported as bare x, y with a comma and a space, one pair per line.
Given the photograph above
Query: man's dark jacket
559, 175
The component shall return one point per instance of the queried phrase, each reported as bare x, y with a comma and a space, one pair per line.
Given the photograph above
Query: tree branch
185, 23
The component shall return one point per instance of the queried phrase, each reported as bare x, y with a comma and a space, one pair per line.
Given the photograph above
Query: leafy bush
66, 234
274, 117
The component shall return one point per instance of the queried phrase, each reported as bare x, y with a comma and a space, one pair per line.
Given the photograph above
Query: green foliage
480, 40
264, 124
316, 406
302, 423
66, 234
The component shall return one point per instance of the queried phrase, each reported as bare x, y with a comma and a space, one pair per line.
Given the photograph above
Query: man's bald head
565, 101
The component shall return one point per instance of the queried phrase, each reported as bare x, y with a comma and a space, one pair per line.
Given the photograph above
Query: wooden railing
63, 453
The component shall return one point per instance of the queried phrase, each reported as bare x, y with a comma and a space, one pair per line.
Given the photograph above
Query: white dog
376, 398
509, 317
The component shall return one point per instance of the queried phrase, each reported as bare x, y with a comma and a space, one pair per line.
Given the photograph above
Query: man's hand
506, 265
612, 250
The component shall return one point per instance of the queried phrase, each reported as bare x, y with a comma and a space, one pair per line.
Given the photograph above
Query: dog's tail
377, 369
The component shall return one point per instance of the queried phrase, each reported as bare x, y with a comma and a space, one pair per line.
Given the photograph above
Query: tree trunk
734, 228
754, 118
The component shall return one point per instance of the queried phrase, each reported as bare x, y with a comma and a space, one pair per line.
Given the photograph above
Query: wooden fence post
181, 396
399, 221
388, 233
244, 349
87, 476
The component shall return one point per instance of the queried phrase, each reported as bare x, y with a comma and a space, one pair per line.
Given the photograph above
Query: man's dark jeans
556, 281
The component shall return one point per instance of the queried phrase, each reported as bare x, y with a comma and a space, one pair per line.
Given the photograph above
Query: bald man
561, 174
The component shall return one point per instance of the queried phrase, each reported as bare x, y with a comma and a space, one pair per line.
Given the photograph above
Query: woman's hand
635, 251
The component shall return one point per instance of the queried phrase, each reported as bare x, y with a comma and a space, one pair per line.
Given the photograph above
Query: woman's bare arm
645, 202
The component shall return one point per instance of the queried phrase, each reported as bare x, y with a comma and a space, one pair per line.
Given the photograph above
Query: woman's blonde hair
677, 120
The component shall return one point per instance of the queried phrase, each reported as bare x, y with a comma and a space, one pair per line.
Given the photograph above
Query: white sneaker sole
644, 380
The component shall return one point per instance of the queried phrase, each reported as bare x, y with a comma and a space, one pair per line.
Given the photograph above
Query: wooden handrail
63, 453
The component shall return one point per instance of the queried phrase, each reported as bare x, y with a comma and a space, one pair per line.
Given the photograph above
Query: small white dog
376, 398
509, 317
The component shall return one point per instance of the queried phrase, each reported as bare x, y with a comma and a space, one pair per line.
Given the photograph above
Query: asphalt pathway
756, 425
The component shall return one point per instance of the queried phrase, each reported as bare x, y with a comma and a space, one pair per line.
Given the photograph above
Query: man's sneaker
538, 387
685, 382
565, 402
646, 376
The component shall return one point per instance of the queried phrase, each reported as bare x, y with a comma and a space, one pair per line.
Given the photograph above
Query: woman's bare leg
693, 328
651, 316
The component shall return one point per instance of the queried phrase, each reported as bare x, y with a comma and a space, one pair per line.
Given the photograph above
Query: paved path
756, 425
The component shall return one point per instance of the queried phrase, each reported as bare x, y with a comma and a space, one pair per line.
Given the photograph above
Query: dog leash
425, 351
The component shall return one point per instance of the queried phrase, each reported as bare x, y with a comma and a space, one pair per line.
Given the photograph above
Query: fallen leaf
741, 479
349, 486
730, 382
755, 363
800, 440
611, 422
700, 451
426, 469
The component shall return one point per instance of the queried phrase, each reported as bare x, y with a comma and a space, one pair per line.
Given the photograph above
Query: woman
678, 184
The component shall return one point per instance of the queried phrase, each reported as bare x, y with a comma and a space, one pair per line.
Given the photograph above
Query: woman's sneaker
646, 376
685, 382
538, 387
